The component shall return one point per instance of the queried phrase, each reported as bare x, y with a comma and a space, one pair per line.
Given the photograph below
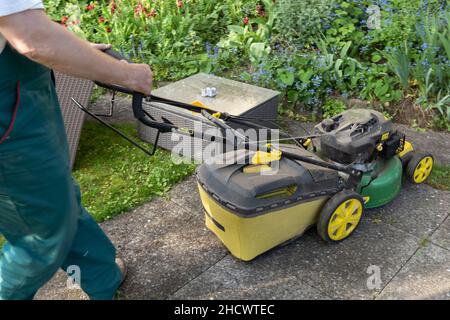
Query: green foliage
302, 22
252, 38
115, 176
333, 107
309, 50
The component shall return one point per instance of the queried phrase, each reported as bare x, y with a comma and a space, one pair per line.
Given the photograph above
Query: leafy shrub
333, 107
302, 22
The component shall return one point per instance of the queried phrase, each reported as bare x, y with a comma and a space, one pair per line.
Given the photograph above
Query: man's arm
34, 35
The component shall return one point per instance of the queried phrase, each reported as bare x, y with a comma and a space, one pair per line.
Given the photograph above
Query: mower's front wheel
419, 167
340, 216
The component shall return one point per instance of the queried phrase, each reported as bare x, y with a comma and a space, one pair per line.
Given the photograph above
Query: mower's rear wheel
419, 167
340, 216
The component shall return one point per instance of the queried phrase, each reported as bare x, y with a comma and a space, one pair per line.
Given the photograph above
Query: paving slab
418, 210
186, 195
425, 276
437, 143
164, 246
441, 236
337, 271
231, 279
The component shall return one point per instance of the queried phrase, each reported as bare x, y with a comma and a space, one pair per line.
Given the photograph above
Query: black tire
329, 209
413, 165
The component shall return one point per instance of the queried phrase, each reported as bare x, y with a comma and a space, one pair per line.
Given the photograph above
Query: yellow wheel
420, 167
340, 216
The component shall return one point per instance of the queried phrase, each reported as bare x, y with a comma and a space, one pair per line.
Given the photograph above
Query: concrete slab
438, 143
336, 271
164, 246
441, 236
425, 276
231, 279
418, 210
186, 195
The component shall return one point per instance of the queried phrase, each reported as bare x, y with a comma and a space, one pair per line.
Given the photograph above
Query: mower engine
358, 136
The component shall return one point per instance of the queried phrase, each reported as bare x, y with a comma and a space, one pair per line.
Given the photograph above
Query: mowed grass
114, 176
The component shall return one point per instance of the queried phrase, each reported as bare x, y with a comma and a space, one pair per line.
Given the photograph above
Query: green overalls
41, 216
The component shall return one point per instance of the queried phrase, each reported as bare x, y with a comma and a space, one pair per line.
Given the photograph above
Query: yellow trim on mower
262, 157
406, 149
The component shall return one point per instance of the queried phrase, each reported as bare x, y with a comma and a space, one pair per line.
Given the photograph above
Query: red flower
113, 7
260, 11
246, 20
180, 3
101, 19
138, 9
152, 13
64, 19
90, 7
108, 29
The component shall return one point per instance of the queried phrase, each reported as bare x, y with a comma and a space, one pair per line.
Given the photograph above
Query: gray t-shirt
8, 7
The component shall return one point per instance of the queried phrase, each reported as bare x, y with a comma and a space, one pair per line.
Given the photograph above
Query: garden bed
392, 55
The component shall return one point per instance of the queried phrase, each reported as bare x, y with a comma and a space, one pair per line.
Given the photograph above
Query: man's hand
140, 75
140, 78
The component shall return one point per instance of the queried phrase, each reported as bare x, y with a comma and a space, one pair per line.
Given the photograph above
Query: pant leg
94, 254
38, 217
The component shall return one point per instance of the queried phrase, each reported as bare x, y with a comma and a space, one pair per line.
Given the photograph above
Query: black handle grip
116, 55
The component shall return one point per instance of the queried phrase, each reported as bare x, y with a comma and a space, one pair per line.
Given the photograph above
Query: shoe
123, 269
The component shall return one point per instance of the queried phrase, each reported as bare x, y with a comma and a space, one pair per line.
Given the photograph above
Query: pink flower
152, 13
90, 7
101, 19
64, 19
138, 9
246, 21
180, 3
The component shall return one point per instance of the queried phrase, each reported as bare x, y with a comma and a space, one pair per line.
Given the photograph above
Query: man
41, 216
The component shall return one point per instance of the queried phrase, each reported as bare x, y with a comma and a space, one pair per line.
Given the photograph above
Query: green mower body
382, 185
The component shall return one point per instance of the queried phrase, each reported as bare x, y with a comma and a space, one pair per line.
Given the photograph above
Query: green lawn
114, 176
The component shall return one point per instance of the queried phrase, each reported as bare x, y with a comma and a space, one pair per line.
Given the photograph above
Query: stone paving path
171, 255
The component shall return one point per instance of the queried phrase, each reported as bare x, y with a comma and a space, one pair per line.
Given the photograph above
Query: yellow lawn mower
261, 195
359, 163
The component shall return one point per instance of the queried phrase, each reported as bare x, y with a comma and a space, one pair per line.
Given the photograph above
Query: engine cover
353, 135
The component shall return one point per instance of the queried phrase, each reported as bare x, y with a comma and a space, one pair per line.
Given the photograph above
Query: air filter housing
353, 135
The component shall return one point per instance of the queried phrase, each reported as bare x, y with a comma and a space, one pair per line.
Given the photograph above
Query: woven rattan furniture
68, 87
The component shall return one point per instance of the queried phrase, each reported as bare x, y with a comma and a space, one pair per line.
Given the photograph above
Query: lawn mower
351, 162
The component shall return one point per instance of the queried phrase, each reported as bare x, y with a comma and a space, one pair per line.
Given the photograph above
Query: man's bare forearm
34, 35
